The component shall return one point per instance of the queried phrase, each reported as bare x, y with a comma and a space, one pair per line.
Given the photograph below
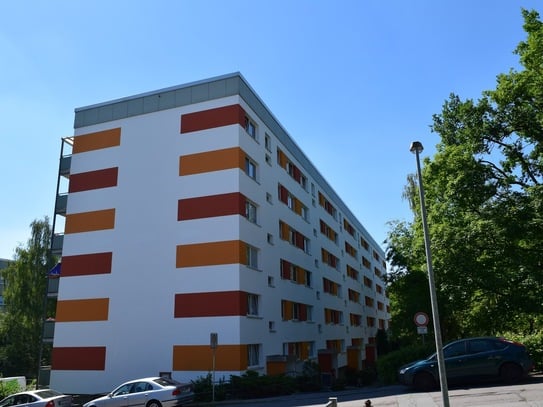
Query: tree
25, 285
484, 199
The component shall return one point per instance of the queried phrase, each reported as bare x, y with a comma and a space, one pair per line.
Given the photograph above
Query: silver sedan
37, 398
146, 392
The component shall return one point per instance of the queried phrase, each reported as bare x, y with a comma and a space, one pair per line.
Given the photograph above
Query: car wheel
511, 373
424, 381
154, 403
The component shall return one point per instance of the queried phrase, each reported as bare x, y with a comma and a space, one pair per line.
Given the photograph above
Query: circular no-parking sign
421, 319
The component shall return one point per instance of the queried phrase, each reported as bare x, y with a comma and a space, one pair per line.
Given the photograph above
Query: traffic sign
421, 319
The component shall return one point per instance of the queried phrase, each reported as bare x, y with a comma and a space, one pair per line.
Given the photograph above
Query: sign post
213, 340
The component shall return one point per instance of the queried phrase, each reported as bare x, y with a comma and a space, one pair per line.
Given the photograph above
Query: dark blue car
470, 360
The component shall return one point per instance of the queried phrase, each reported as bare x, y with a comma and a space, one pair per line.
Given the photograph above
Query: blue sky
354, 82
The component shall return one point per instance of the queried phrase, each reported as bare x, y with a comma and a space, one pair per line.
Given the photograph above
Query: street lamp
416, 148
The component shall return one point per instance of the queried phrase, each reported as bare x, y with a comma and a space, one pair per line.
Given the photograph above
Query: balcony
65, 165
52, 287
58, 242
48, 331
60, 204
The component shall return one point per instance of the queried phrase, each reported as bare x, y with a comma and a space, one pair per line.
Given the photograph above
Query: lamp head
416, 147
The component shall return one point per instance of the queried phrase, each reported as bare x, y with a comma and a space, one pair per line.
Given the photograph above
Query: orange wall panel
274, 368
216, 160
211, 206
210, 304
94, 309
200, 357
86, 181
209, 119
208, 254
79, 358
90, 221
97, 141
86, 264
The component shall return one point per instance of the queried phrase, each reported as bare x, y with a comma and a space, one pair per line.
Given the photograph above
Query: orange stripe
95, 309
216, 160
96, 141
208, 254
79, 358
90, 221
200, 358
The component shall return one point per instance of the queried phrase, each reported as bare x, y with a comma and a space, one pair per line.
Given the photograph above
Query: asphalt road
526, 393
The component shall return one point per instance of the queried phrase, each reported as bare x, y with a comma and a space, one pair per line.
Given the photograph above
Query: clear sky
354, 82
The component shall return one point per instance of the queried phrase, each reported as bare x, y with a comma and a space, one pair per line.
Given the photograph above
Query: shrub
388, 365
9, 387
534, 344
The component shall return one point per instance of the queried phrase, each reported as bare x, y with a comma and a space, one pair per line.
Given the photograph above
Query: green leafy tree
484, 198
25, 285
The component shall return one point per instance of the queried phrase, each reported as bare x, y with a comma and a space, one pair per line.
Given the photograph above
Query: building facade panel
94, 309
85, 181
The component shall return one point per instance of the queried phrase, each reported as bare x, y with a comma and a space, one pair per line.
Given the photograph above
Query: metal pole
416, 147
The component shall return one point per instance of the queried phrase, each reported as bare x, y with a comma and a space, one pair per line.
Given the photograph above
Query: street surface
527, 393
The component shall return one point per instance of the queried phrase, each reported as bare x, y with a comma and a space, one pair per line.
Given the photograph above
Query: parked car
37, 398
147, 392
469, 360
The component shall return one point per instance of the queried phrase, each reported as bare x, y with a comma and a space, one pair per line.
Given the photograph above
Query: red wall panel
211, 304
209, 119
86, 181
79, 358
210, 206
86, 264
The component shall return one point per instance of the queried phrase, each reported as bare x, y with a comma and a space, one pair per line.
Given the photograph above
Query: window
309, 312
268, 197
268, 159
250, 127
295, 310
267, 142
271, 282
250, 211
252, 257
270, 238
271, 326
300, 350
250, 168
253, 355
252, 304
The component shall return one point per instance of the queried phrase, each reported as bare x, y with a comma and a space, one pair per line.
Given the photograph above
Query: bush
534, 344
9, 387
203, 389
388, 365
252, 385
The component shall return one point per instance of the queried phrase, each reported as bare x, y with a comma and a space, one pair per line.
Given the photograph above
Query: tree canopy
25, 285
484, 199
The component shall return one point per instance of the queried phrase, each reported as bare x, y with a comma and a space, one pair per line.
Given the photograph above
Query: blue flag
55, 271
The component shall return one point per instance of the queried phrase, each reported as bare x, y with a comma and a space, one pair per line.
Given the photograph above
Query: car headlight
402, 371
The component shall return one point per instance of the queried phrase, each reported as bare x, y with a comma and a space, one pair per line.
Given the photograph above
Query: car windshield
48, 393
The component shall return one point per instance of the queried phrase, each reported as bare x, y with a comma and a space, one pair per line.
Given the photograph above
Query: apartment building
194, 233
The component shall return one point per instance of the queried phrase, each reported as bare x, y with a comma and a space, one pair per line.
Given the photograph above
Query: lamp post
416, 148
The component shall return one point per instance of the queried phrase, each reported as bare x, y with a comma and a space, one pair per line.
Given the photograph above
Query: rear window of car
45, 394
164, 381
